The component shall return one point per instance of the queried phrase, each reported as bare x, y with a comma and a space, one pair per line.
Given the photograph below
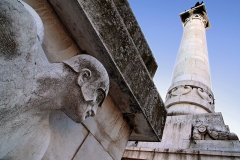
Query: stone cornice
99, 29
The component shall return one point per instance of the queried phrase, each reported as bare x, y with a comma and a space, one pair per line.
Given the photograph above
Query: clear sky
162, 28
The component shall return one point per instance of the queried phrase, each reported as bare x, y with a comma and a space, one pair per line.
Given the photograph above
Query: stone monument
57, 62
32, 88
193, 129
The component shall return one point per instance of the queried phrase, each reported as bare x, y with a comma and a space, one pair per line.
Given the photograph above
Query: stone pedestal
189, 137
186, 131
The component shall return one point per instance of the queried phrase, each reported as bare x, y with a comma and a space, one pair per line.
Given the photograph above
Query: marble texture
193, 43
38, 21
88, 152
185, 99
192, 130
191, 67
173, 154
32, 88
107, 37
58, 44
180, 133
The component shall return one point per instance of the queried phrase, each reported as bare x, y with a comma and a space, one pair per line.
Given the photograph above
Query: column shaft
190, 92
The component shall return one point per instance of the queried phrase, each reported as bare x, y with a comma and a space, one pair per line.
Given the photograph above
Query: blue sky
162, 28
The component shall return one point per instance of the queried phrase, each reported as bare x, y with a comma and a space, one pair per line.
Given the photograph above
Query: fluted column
190, 92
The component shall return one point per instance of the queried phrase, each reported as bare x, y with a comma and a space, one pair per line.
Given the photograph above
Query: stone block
192, 99
187, 36
99, 29
201, 79
203, 55
217, 145
191, 43
92, 149
188, 51
58, 44
181, 138
202, 65
182, 77
187, 40
194, 57
188, 64
197, 71
180, 60
174, 99
177, 109
178, 73
135, 32
203, 45
110, 128
173, 154
191, 47
172, 139
66, 137
183, 45
136, 153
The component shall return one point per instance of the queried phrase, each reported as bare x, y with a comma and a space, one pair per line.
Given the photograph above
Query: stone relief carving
189, 90
190, 94
200, 16
181, 90
31, 87
201, 131
204, 95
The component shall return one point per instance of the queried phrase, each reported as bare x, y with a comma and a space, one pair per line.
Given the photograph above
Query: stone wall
173, 154
102, 137
130, 111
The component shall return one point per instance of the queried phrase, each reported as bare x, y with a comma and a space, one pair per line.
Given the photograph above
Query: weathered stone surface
192, 130
173, 154
38, 21
179, 133
98, 28
191, 83
91, 149
192, 68
216, 145
31, 87
137, 36
58, 44
110, 129
66, 137
189, 94
203, 131
189, 46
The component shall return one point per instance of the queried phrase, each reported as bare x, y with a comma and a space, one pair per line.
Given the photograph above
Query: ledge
99, 29
137, 150
136, 34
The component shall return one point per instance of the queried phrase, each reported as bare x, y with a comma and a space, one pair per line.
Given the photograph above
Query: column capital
197, 12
